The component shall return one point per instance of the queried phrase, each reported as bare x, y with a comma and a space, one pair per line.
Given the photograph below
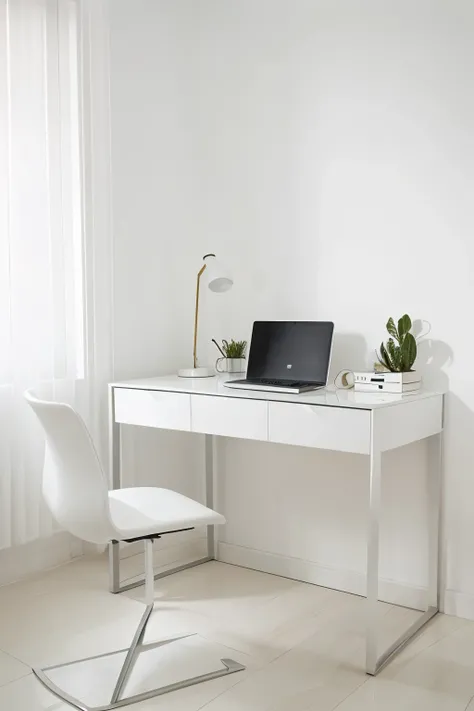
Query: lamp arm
196, 314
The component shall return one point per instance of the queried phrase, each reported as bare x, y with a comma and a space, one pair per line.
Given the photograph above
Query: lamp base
196, 373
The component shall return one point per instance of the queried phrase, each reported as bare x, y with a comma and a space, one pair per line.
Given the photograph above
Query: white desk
344, 421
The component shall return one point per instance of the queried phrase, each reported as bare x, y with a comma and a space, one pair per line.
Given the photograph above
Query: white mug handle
217, 365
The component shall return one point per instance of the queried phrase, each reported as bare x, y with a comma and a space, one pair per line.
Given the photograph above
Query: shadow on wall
434, 360
349, 352
433, 357
457, 508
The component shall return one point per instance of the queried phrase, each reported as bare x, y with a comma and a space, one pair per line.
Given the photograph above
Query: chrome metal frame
376, 660
133, 652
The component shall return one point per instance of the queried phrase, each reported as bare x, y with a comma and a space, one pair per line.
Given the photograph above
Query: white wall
326, 150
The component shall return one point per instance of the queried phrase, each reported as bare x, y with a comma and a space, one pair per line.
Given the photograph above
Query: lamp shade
218, 277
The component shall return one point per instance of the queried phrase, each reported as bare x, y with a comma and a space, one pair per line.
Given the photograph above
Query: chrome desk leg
435, 466
373, 554
116, 482
211, 463
374, 660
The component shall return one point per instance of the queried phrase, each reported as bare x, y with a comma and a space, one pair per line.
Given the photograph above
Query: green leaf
404, 325
409, 351
392, 329
382, 362
385, 358
381, 359
391, 348
234, 349
394, 353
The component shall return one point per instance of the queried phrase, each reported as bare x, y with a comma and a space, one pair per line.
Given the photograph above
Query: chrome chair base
117, 701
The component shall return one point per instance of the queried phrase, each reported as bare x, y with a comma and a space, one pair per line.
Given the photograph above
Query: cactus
399, 353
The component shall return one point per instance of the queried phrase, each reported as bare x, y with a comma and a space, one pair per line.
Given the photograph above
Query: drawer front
340, 429
151, 408
229, 417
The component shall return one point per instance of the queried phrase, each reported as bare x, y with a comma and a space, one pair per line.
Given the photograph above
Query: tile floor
303, 646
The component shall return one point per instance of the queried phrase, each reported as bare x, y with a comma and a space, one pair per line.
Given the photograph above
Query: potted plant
398, 355
233, 356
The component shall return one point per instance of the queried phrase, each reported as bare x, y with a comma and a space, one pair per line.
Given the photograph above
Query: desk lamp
218, 280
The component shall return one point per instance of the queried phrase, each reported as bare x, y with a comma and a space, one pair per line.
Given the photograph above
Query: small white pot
230, 365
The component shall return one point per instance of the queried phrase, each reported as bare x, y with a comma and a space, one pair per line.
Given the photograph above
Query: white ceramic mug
230, 365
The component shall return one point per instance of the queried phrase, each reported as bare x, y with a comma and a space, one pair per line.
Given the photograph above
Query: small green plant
399, 353
234, 349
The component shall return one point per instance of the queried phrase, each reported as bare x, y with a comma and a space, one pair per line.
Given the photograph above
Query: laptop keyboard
282, 383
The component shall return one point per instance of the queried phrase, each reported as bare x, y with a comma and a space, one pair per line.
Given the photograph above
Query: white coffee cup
230, 365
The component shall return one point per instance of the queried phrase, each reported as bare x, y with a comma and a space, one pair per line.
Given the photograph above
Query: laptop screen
291, 350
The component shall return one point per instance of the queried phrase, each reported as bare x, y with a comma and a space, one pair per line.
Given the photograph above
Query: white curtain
50, 248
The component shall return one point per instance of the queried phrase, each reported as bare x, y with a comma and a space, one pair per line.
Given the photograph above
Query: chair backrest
74, 485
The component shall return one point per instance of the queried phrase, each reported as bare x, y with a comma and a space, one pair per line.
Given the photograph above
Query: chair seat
142, 511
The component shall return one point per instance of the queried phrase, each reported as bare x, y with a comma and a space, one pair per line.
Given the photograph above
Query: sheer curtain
51, 250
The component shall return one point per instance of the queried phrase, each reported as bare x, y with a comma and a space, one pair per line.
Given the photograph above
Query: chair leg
136, 647
132, 655
149, 574
134, 650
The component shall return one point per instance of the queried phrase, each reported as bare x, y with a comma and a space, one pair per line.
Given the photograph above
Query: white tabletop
328, 397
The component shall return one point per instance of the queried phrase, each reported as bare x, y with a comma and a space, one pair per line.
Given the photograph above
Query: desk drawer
340, 429
229, 417
152, 408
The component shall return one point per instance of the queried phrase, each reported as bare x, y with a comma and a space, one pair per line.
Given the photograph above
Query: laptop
288, 356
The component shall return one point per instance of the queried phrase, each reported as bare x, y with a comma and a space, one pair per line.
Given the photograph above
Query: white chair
76, 492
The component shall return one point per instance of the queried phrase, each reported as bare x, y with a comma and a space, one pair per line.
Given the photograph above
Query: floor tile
256, 613
11, 669
303, 646
322, 670
27, 694
435, 673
